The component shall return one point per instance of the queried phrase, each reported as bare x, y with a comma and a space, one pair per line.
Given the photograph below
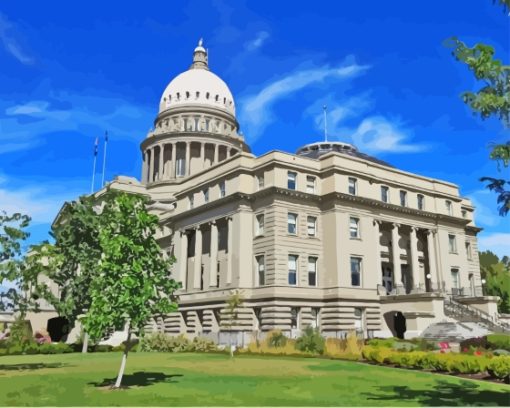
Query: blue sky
71, 70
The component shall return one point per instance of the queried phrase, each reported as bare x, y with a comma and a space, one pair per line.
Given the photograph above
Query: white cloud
485, 208
256, 111
376, 134
10, 44
84, 114
258, 41
40, 203
498, 242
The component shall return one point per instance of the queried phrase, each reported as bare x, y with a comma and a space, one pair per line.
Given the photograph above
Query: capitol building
327, 237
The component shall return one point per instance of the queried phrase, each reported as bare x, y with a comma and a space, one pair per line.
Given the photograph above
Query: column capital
395, 225
182, 231
377, 222
197, 227
431, 231
414, 229
212, 222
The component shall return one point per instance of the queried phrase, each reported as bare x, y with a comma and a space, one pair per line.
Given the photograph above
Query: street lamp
483, 283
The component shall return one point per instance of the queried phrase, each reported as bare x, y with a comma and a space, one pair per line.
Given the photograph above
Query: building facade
328, 237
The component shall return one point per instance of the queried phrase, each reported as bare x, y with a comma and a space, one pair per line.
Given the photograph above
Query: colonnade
170, 160
198, 253
417, 280
196, 123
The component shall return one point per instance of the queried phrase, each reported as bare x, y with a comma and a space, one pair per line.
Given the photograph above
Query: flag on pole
104, 156
96, 145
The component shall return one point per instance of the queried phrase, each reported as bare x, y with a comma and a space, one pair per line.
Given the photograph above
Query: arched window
198, 94
217, 98
207, 95
187, 95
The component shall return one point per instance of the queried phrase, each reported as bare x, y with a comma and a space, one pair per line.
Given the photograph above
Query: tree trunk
85, 342
124, 359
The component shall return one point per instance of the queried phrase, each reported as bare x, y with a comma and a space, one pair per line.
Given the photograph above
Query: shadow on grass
138, 379
444, 394
30, 366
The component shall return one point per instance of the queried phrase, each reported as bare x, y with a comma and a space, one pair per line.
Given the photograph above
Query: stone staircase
465, 313
465, 322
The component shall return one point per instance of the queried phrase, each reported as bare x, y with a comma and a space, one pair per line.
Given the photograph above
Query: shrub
499, 367
311, 341
501, 352
401, 346
424, 345
163, 342
382, 342
476, 342
55, 348
202, 344
276, 339
498, 341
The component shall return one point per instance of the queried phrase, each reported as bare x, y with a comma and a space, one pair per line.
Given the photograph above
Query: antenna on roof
325, 108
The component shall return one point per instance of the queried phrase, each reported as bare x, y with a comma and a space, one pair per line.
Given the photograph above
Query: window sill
291, 235
313, 237
259, 235
355, 238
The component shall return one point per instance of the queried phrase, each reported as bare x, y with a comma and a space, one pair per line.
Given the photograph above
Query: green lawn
214, 379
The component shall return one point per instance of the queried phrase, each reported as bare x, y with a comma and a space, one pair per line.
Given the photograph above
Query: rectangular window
180, 167
292, 223
452, 244
191, 201
403, 198
310, 184
259, 224
222, 189
311, 226
260, 182
455, 278
354, 227
261, 270
421, 202
294, 318
384, 194
316, 317
206, 195
468, 251
291, 180
353, 186
312, 271
464, 213
449, 208
355, 271
293, 269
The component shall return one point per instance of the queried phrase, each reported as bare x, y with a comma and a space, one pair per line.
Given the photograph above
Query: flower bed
454, 363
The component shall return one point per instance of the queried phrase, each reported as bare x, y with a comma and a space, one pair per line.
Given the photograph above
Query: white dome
198, 87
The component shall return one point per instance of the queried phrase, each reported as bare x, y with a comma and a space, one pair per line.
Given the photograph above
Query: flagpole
94, 166
104, 156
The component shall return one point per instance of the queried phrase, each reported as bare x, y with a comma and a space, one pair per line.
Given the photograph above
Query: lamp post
483, 286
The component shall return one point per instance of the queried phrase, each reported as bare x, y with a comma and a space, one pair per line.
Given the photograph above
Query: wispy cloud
486, 213
256, 112
377, 134
24, 124
498, 242
10, 44
258, 41
41, 202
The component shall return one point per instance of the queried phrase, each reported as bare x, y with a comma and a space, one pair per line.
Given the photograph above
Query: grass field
215, 379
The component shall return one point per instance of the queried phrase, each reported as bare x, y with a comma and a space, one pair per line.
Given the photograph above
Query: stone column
151, 170
197, 265
216, 153
188, 158
161, 157
202, 155
213, 255
229, 254
173, 172
431, 253
415, 265
395, 255
144, 167
183, 259
377, 230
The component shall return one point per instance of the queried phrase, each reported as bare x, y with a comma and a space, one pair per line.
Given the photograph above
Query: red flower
465, 350
477, 353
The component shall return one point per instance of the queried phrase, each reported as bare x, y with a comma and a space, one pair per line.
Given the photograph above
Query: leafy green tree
133, 281
497, 277
76, 258
234, 302
492, 99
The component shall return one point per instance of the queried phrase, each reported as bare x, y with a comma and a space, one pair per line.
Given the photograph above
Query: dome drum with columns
196, 125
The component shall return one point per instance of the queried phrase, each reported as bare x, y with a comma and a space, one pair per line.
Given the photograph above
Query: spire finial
199, 56
200, 42
325, 108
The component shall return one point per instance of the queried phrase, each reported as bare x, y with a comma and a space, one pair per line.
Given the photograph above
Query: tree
497, 277
77, 256
133, 282
234, 302
493, 99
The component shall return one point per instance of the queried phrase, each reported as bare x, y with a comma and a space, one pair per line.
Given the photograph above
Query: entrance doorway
387, 278
407, 280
